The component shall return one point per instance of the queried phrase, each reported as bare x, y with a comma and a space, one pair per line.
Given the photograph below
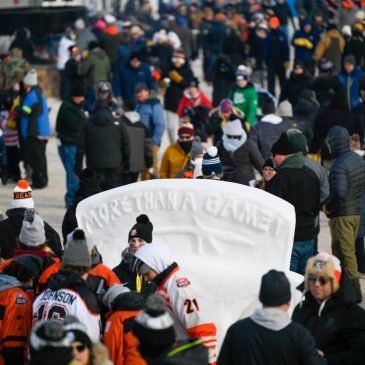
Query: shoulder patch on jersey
20, 300
182, 282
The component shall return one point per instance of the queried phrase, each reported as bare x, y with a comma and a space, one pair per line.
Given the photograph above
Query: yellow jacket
173, 160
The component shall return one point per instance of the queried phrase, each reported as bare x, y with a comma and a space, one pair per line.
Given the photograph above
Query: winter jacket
322, 176
15, 320
96, 67
326, 86
173, 160
111, 41
152, 117
160, 56
241, 162
356, 47
299, 186
347, 176
179, 79
83, 38
276, 48
14, 69
294, 86
70, 121
351, 85
267, 131
283, 12
104, 141
23, 41
304, 45
118, 336
67, 294
189, 102
268, 337
10, 230
245, 99
35, 120
126, 78
234, 48
187, 307
337, 325
217, 123
331, 46
346, 16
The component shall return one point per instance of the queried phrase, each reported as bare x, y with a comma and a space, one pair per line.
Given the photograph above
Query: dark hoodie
104, 141
10, 230
347, 176
337, 325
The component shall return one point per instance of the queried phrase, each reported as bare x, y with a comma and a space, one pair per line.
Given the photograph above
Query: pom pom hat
142, 229
211, 163
22, 195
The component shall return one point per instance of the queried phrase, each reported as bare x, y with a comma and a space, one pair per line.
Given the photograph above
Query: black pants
272, 72
109, 178
360, 254
36, 158
13, 158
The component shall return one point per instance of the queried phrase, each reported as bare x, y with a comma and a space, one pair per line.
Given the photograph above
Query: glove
175, 77
286, 65
4, 174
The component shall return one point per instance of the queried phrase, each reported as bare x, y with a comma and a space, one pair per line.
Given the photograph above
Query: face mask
186, 145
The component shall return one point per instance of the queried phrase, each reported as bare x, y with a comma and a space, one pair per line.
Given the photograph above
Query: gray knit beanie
113, 292
76, 252
32, 233
196, 148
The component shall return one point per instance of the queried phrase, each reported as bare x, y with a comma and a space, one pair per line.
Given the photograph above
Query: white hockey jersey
78, 301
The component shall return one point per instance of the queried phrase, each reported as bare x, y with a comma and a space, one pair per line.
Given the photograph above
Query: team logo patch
133, 232
20, 301
182, 282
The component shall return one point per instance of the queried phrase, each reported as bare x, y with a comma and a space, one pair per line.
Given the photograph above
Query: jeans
68, 155
302, 251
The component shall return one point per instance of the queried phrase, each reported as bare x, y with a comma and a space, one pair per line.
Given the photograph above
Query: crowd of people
127, 83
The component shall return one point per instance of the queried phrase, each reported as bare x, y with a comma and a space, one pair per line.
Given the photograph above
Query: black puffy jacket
338, 326
103, 140
347, 176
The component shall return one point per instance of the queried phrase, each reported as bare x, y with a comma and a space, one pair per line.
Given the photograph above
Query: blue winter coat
347, 176
351, 85
303, 53
126, 78
152, 117
35, 119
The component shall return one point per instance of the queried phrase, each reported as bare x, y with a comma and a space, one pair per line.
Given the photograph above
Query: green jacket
246, 100
70, 121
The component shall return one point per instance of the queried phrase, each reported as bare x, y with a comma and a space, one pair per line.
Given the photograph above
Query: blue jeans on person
302, 251
68, 156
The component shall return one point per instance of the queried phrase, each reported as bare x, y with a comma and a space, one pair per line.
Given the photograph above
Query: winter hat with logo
142, 229
32, 233
350, 59
211, 163
31, 262
196, 147
76, 251
242, 73
48, 340
31, 78
76, 331
186, 129
114, 292
154, 327
226, 106
22, 195
282, 146
234, 128
275, 289
324, 264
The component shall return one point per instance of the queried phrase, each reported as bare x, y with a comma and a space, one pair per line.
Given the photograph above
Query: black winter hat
269, 163
142, 229
32, 262
77, 90
283, 146
154, 327
275, 289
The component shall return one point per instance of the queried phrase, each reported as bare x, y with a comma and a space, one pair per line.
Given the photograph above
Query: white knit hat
31, 78
234, 128
32, 233
22, 197
80, 24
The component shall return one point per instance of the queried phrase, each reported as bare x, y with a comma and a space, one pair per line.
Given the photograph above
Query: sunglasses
233, 137
321, 279
79, 348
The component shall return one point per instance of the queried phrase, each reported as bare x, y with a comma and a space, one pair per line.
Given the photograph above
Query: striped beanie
211, 163
22, 195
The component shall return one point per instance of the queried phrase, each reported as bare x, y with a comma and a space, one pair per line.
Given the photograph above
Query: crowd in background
286, 115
